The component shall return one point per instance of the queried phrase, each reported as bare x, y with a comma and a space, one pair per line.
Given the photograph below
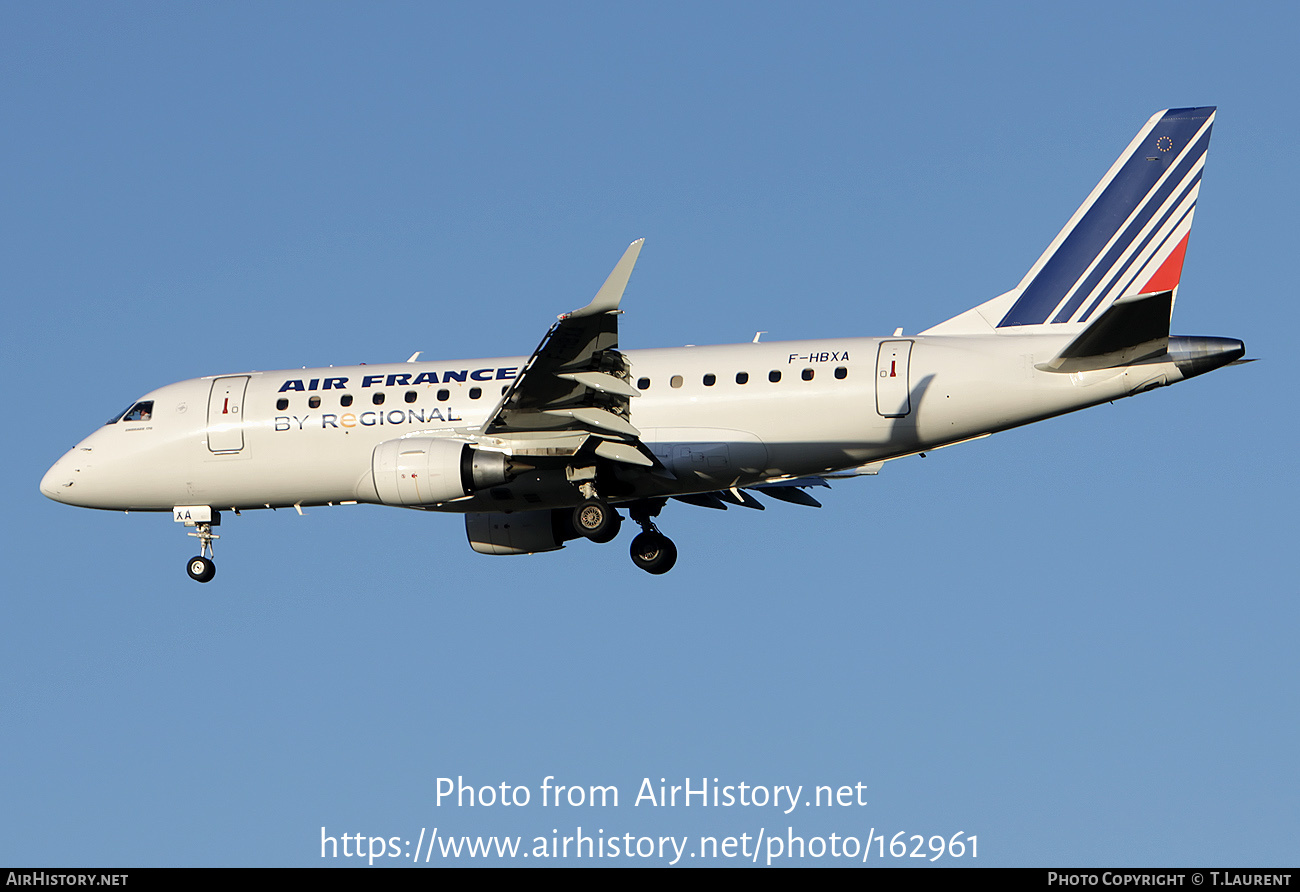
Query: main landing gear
597, 521
651, 550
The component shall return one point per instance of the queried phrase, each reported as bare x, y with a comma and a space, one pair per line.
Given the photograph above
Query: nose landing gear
203, 519
201, 569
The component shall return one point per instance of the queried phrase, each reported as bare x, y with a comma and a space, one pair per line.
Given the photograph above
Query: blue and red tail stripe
1130, 230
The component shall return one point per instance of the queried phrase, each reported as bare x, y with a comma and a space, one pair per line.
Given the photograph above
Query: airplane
536, 451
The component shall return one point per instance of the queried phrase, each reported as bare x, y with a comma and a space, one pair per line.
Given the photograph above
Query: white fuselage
226, 442
515, 443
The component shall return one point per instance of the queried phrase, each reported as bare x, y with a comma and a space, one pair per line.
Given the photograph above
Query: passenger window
774, 376
675, 381
345, 400
841, 373
807, 374
377, 399
313, 402
141, 411
410, 396
475, 392
710, 380
281, 404
444, 395
742, 377
642, 383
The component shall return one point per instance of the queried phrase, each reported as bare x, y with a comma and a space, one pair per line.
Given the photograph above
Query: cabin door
226, 414
893, 395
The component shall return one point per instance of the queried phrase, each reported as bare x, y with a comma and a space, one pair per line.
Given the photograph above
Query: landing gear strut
593, 519
651, 550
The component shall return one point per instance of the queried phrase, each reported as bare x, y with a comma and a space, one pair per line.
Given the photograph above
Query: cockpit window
118, 417
141, 411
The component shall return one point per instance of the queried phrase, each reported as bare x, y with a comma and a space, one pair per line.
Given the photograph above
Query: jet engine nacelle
428, 470
518, 532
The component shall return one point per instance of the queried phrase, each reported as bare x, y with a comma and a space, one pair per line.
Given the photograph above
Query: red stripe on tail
1166, 278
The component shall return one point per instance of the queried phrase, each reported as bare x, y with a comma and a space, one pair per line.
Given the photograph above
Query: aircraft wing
576, 386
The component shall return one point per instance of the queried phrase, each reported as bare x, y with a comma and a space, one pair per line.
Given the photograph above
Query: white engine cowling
516, 532
428, 470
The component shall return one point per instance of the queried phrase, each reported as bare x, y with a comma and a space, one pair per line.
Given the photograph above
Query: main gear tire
596, 520
654, 552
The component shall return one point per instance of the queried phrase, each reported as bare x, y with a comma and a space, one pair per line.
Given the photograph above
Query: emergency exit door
893, 394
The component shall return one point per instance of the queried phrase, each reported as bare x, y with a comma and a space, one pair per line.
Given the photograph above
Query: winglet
607, 298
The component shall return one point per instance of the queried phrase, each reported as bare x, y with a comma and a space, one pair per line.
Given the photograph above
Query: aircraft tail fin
1128, 237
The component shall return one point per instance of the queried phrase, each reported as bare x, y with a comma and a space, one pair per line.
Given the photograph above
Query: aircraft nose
60, 480
65, 480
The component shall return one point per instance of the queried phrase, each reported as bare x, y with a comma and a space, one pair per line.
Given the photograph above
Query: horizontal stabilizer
1133, 328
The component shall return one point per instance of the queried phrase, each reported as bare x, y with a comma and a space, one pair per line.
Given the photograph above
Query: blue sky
1075, 640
